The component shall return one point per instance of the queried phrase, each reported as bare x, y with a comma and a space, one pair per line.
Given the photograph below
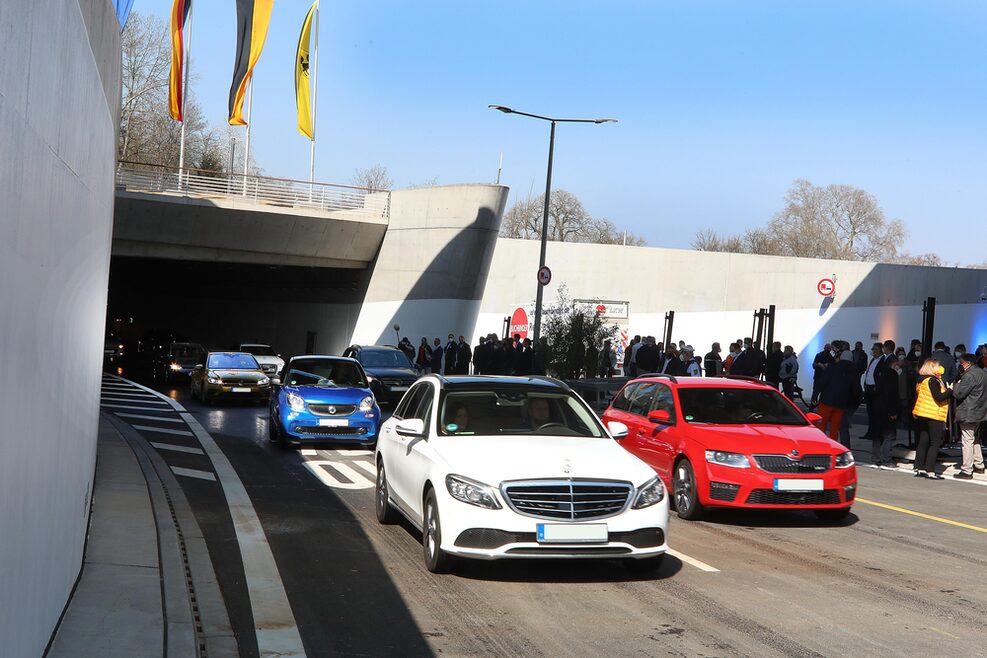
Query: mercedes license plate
334, 422
798, 485
239, 389
572, 533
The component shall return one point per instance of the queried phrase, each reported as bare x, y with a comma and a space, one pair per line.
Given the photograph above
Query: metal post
928, 326
246, 146
544, 232
188, 55
771, 329
315, 103
669, 323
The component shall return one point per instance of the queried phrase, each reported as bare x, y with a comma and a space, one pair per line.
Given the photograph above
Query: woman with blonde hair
930, 411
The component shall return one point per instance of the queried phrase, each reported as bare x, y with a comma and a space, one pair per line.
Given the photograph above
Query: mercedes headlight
367, 403
471, 492
844, 460
213, 378
296, 402
650, 493
731, 459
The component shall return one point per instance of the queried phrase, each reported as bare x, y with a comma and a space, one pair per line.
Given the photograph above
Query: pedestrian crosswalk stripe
163, 419
367, 466
161, 430
193, 473
124, 406
356, 480
174, 448
335, 452
133, 401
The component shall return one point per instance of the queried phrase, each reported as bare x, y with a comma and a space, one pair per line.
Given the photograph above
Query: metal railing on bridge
280, 192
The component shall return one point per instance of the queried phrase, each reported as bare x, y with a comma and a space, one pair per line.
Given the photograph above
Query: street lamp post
548, 194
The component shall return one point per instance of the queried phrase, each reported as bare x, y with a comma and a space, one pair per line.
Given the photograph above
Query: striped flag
252, 20
303, 94
179, 15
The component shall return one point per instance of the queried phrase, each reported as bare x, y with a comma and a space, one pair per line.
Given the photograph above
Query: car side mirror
198, 366
617, 429
660, 416
413, 428
814, 418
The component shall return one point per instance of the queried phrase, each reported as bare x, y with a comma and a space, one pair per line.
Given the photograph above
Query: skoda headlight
650, 493
367, 403
471, 492
296, 402
731, 459
213, 378
844, 460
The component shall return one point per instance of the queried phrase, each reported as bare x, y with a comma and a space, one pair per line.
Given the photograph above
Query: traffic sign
544, 275
826, 287
519, 323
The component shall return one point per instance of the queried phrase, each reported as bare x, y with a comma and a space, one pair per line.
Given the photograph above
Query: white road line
367, 466
162, 430
133, 401
142, 417
356, 480
128, 394
348, 453
308, 452
699, 564
174, 448
124, 406
274, 623
192, 473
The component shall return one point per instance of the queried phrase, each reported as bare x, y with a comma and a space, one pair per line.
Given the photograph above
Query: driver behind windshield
539, 412
457, 419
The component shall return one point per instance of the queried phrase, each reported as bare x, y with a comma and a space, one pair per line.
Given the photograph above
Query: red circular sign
544, 275
826, 287
519, 323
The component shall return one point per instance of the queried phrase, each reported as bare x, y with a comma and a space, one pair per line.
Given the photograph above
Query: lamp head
501, 108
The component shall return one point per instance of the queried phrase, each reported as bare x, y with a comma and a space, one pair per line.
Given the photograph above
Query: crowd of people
491, 356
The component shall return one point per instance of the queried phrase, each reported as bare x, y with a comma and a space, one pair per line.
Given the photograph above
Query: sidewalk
146, 588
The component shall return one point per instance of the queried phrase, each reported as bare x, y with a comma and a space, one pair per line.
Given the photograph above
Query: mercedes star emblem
566, 466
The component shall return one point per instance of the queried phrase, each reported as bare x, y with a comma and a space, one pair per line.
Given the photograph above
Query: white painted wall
57, 149
714, 295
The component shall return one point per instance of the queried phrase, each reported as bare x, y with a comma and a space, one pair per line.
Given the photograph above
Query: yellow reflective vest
926, 405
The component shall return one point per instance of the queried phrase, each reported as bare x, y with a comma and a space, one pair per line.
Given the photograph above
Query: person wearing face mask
970, 393
731, 357
839, 391
692, 368
789, 372
930, 411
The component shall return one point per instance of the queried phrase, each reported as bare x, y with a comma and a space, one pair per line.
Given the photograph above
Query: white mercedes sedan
515, 467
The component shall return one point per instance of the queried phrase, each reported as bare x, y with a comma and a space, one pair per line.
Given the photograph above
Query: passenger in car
458, 419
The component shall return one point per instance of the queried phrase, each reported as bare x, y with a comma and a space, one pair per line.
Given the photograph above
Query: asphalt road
884, 582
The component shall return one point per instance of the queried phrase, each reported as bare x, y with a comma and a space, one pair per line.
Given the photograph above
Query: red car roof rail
670, 378
748, 378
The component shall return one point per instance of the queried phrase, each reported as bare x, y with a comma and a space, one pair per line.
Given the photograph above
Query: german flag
252, 19
179, 15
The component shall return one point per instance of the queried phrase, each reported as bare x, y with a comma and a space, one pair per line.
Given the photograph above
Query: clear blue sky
721, 104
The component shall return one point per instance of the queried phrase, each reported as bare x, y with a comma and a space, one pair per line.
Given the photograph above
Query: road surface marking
142, 417
124, 406
367, 466
308, 452
348, 453
162, 430
699, 564
274, 624
356, 480
133, 401
126, 391
921, 515
192, 473
169, 446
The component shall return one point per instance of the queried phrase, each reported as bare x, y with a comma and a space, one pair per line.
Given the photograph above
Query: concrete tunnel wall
59, 104
714, 295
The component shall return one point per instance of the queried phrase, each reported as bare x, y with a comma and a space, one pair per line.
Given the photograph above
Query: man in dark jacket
887, 407
970, 393
860, 357
839, 390
712, 362
819, 365
772, 366
436, 365
750, 362
525, 358
464, 356
946, 360
647, 357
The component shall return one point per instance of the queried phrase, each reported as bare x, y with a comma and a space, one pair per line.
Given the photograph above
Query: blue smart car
323, 399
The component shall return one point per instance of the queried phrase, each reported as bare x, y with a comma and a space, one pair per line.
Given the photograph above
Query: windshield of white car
259, 350
384, 359
232, 361
325, 373
515, 411
737, 406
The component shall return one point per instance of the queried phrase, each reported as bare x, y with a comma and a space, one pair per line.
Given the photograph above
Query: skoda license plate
572, 533
798, 485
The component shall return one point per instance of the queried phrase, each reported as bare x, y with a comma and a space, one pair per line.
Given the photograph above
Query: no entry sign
826, 287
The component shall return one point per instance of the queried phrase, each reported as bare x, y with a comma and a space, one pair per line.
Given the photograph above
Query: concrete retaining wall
59, 102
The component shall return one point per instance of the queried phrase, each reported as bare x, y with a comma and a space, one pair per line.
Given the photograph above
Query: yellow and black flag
179, 15
302, 77
252, 19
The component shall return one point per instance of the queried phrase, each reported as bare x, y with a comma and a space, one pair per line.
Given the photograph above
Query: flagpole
246, 148
188, 55
315, 96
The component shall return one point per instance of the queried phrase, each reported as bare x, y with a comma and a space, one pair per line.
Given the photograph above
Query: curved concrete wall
714, 295
432, 267
59, 102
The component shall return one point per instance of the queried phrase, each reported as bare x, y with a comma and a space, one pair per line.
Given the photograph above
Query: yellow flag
302, 82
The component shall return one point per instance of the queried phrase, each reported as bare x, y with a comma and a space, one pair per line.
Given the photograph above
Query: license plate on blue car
334, 422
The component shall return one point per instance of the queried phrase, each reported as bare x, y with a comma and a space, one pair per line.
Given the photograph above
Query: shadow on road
774, 519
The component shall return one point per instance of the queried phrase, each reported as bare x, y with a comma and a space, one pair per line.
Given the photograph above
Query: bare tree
568, 221
147, 132
374, 178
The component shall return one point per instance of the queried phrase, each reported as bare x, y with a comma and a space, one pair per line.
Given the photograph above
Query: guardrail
281, 192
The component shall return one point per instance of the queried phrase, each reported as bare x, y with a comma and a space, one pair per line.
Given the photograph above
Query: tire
832, 515
436, 560
385, 513
684, 492
644, 564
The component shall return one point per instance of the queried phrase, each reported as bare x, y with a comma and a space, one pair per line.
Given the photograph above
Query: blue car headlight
367, 403
296, 402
